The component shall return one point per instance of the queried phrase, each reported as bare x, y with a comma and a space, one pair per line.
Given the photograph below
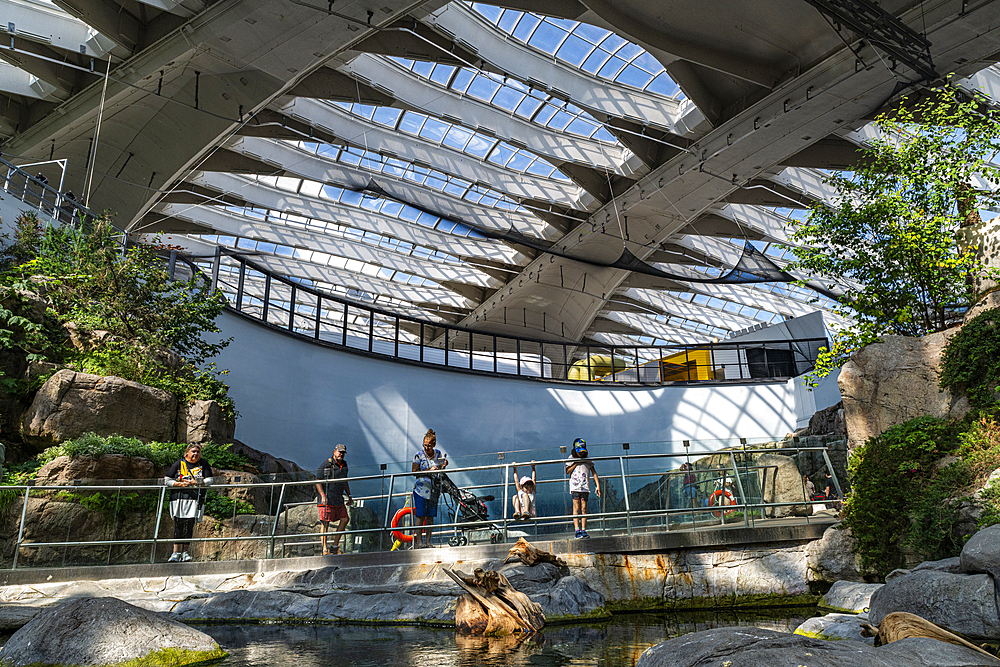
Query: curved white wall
298, 399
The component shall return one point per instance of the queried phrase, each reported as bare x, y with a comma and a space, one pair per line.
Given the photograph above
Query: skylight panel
386, 116
525, 27
442, 74
483, 88
508, 98
548, 37
411, 123
574, 50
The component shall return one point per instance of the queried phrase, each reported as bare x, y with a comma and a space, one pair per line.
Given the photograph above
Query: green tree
90, 278
890, 238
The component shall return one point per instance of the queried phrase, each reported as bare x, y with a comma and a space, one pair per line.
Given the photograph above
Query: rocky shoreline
371, 588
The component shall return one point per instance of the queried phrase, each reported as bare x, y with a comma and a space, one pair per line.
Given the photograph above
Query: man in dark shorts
331, 497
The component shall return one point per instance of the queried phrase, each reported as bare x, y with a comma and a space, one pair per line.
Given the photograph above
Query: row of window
513, 97
450, 135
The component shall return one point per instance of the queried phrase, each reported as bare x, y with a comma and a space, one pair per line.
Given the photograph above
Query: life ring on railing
397, 517
723, 497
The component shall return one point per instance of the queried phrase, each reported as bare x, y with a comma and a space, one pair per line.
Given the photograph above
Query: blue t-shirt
424, 485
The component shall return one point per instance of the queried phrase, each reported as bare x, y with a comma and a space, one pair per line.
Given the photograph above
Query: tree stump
491, 606
902, 625
530, 555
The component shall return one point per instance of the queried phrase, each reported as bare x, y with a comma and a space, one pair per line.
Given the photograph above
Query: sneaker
185, 557
175, 557
583, 533
578, 534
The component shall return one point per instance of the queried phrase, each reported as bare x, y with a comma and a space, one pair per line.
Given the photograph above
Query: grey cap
340, 448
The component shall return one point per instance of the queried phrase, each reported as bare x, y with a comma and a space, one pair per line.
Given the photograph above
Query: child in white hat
524, 499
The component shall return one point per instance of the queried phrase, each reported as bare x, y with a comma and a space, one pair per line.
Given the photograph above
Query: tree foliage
890, 236
89, 277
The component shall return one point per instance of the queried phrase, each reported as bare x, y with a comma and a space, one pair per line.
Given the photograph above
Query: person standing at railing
331, 505
579, 471
810, 487
425, 489
524, 499
690, 483
187, 479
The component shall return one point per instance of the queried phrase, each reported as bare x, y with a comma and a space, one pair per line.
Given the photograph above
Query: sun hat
526, 479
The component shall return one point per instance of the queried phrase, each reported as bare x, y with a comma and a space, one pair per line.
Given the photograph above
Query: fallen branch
903, 625
529, 555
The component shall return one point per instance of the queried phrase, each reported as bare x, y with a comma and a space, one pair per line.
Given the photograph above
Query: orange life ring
395, 524
725, 498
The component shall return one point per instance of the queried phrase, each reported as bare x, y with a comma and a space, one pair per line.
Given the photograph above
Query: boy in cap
331, 497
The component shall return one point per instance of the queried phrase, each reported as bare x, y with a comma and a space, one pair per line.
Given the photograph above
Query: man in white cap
331, 497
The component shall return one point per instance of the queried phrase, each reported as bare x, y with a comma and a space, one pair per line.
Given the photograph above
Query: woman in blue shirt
425, 493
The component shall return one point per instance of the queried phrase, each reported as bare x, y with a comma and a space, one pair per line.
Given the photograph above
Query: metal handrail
631, 518
335, 321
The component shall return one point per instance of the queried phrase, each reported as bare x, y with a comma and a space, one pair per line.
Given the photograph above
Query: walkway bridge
743, 494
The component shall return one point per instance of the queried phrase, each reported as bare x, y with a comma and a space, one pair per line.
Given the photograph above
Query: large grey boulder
834, 627
70, 404
105, 631
962, 603
831, 558
203, 421
850, 596
982, 552
754, 647
782, 483
570, 598
893, 381
66, 469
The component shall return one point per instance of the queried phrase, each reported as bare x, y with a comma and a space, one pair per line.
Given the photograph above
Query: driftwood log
529, 555
902, 625
491, 606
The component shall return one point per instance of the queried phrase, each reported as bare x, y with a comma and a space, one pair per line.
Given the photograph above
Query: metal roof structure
482, 165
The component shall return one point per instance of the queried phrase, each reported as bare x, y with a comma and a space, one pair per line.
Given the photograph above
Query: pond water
615, 643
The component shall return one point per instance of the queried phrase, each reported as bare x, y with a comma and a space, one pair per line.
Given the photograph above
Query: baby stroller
470, 508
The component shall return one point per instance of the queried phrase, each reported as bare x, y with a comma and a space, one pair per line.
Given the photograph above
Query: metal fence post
20, 531
274, 526
739, 488
628, 507
836, 482
388, 503
156, 530
503, 500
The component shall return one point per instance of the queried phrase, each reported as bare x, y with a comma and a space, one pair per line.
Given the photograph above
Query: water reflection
616, 643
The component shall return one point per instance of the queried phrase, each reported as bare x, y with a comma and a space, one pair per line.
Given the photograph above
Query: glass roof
455, 186
595, 50
513, 97
450, 135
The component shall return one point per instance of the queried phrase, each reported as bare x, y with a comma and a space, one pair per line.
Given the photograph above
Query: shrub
889, 475
162, 454
902, 498
971, 361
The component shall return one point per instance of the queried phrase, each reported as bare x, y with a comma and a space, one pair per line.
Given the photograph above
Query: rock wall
888, 383
71, 404
586, 585
893, 381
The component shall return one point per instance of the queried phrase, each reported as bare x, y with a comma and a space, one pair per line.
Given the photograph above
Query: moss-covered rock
108, 632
